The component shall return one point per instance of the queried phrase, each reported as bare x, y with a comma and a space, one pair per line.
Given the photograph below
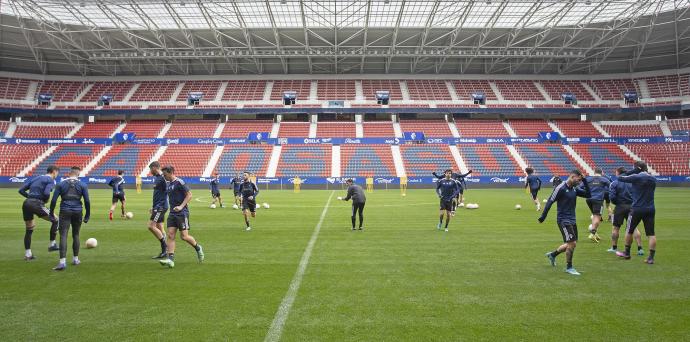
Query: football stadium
361, 170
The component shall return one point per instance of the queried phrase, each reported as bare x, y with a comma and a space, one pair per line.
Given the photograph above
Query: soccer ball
266, 206
544, 200
404, 194
461, 205
129, 215
518, 207
91, 243
235, 206
257, 207
213, 206
472, 206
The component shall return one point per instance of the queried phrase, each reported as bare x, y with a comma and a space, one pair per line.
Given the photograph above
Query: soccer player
555, 180
38, 194
566, 195
642, 208
598, 185
248, 191
71, 191
534, 184
215, 190
158, 208
356, 193
447, 190
621, 195
460, 178
235, 186
118, 193
179, 196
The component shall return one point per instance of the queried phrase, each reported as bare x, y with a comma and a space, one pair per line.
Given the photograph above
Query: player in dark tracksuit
566, 195
158, 208
642, 208
534, 184
215, 190
117, 183
359, 199
447, 190
248, 191
179, 196
235, 186
37, 193
599, 186
71, 191
620, 194
460, 178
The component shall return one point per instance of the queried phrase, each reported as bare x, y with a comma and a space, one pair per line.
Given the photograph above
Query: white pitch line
276, 329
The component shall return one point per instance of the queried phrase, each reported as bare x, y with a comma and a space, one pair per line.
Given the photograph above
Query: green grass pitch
399, 280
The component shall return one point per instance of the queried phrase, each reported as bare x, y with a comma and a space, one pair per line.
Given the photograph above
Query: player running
642, 208
215, 190
248, 191
356, 193
179, 196
447, 190
599, 186
534, 184
38, 195
71, 191
235, 186
621, 195
566, 195
158, 208
118, 193
460, 178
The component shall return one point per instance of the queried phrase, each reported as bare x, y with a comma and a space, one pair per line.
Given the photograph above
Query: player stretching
566, 195
355, 192
179, 196
215, 190
158, 208
235, 186
248, 191
118, 193
71, 190
460, 197
642, 208
35, 204
534, 184
599, 186
621, 196
447, 190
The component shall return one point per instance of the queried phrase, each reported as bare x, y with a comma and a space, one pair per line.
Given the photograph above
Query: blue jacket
566, 197
39, 188
72, 191
116, 184
643, 187
620, 193
447, 189
214, 184
160, 192
598, 185
533, 182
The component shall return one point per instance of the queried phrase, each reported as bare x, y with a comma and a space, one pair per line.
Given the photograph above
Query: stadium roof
140, 37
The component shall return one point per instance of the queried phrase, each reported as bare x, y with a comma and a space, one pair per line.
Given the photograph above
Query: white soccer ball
235, 206
129, 215
518, 207
461, 205
213, 206
544, 201
91, 243
266, 206
340, 198
404, 194
257, 207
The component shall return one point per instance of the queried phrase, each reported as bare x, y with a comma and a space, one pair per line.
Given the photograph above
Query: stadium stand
338, 129
3, 128
62, 91
293, 130
489, 160
422, 160
431, 128
66, 156
481, 128
366, 161
370, 87
378, 129
465, 88
606, 156
117, 89
236, 159
668, 85
556, 88
305, 161
244, 91
242, 128
612, 89
130, 158
209, 88
519, 90
672, 159
188, 160
576, 128
98, 129
154, 91
336, 90
302, 87
14, 158
192, 129
679, 126
633, 130
144, 128
529, 128
30, 131
13, 88
547, 159
428, 90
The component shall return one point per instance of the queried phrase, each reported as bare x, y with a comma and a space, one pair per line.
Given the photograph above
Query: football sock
569, 265
627, 249
28, 253
440, 219
639, 248
246, 221
652, 252
63, 260
171, 256
164, 245
53, 232
614, 247
353, 221
555, 253
27, 238
196, 247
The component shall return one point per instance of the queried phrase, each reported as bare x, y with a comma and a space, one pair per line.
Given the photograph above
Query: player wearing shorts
534, 184
37, 193
117, 183
359, 200
248, 191
460, 178
621, 196
158, 208
179, 196
447, 190
566, 195
215, 190
71, 191
642, 208
599, 186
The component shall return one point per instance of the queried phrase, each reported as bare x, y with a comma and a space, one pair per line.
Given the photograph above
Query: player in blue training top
215, 190
71, 191
566, 195
117, 183
248, 191
460, 178
620, 194
534, 184
447, 190
38, 194
179, 196
599, 186
158, 208
235, 186
642, 208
